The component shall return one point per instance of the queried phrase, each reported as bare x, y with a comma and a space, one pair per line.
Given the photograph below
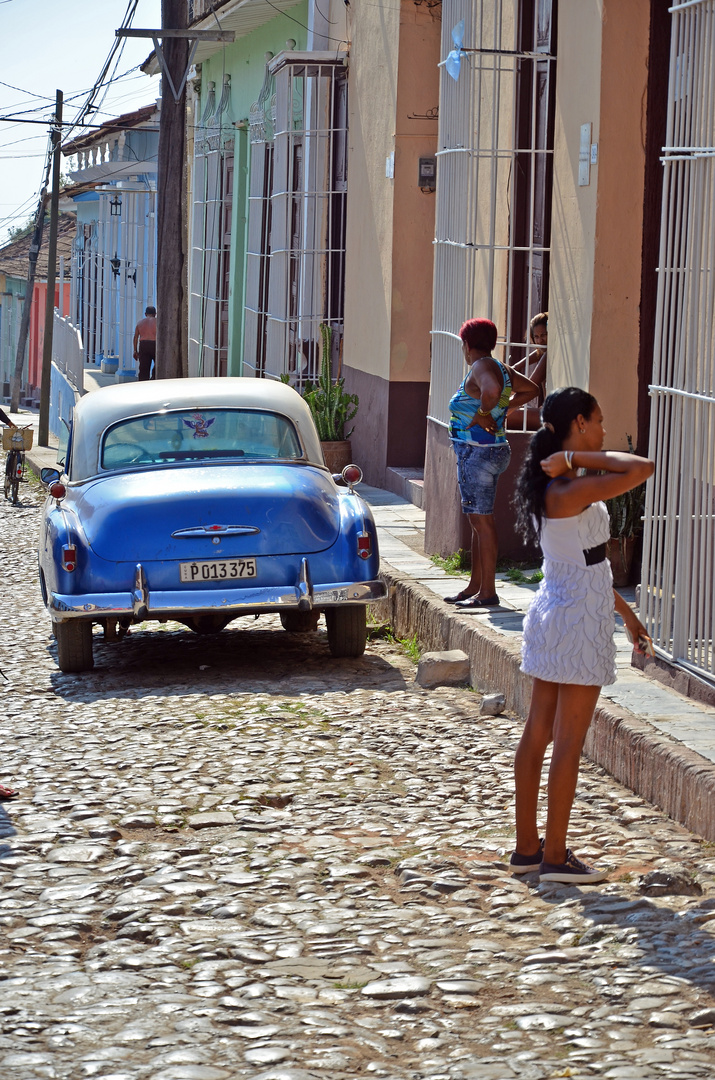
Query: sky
47, 46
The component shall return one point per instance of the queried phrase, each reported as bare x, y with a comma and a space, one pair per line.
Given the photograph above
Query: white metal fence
68, 350
295, 263
677, 594
211, 235
493, 180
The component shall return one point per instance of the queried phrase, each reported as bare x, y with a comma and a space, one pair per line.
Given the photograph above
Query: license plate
218, 570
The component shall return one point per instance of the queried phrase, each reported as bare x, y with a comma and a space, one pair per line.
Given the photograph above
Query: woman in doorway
476, 430
533, 366
568, 643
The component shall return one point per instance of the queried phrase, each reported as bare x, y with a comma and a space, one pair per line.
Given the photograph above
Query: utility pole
171, 270
44, 425
35, 246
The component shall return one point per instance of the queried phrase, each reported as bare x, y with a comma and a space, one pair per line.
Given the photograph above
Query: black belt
595, 554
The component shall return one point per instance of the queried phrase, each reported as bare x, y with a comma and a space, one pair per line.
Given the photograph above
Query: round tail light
352, 474
58, 491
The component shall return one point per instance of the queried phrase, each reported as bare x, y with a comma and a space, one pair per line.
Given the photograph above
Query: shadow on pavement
6, 829
616, 923
173, 660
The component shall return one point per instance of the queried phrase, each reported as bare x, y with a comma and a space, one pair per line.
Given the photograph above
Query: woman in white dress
568, 643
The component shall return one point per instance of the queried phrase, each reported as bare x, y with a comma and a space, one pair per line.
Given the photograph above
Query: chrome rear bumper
143, 603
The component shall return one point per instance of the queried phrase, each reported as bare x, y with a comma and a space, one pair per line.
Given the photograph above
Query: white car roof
99, 409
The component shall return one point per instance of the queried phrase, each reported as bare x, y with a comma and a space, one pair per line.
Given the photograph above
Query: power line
74, 94
118, 44
30, 93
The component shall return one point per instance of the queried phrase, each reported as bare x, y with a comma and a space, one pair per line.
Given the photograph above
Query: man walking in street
145, 345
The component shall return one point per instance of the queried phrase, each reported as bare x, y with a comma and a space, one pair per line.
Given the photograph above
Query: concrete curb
662, 770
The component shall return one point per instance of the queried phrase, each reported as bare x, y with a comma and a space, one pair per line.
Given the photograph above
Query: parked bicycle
16, 440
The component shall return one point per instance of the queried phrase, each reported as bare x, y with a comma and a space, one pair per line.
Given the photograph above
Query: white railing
677, 594
68, 351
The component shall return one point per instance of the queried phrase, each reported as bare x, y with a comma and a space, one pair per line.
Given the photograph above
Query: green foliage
520, 578
454, 564
411, 647
331, 406
22, 230
626, 511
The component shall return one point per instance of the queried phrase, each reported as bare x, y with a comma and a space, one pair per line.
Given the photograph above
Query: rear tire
299, 622
74, 645
11, 483
347, 630
207, 624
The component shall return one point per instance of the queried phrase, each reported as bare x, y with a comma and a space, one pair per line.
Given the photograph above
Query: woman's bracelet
568, 455
480, 412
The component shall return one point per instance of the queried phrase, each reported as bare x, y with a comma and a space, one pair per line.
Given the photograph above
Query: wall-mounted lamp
132, 276
115, 264
115, 206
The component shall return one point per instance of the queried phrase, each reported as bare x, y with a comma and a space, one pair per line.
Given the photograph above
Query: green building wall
245, 62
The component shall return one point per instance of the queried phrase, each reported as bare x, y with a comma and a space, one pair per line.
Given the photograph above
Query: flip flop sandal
475, 603
7, 793
463, 595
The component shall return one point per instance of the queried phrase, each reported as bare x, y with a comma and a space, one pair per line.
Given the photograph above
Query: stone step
406, 482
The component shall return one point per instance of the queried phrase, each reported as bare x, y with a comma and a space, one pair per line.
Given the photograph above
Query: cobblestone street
233, 856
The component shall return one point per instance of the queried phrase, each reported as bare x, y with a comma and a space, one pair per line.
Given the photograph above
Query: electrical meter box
428, 173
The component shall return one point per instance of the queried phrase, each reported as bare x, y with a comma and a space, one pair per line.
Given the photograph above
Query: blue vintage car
201, 500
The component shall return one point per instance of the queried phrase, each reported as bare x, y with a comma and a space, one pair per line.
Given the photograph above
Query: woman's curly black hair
559, 410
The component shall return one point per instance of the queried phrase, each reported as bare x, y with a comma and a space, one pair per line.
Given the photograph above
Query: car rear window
199, 435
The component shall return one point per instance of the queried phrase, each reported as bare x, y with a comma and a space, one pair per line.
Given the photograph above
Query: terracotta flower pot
620, 553
337, 454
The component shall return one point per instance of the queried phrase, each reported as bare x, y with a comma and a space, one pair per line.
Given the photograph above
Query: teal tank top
463, 408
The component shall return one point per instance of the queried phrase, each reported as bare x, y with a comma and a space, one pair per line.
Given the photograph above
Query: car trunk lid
209, 512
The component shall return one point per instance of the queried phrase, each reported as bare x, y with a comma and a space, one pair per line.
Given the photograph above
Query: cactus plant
332, 408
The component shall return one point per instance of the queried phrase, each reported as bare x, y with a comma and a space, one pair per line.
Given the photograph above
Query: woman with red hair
476, 429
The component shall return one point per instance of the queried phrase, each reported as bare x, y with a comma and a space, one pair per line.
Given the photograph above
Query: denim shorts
479, 466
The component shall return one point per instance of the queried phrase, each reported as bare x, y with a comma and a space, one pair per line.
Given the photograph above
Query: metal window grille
211, 238
493, 181
296, 231
677, 594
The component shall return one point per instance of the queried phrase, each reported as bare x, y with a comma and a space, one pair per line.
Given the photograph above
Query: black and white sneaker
571, 872
526, 864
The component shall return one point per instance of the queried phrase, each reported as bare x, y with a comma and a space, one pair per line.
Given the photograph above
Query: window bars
295, 266
677, 593
211, 235
493, 216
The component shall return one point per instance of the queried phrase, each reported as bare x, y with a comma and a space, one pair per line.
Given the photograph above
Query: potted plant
626, 516
332, 409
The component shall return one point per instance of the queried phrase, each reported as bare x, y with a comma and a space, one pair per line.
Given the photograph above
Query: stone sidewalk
651, 738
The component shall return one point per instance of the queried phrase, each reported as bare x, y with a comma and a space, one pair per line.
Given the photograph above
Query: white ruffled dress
568, 630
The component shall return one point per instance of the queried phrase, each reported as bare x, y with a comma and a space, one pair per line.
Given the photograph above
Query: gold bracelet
480, 412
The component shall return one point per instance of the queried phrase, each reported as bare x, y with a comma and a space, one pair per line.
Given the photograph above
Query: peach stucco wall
619, 220
413, 214
597, 230
573, 229
372, 106
390, 222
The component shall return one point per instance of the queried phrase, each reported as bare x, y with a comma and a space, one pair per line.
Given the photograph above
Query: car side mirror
49, 476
